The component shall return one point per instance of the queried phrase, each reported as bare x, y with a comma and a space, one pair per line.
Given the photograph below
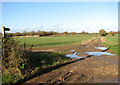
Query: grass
53, 41
111, 41
46, 59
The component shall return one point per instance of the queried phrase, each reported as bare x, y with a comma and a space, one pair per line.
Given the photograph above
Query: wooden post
3, 33
3, 30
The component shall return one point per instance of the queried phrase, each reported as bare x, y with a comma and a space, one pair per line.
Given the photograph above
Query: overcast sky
60, 16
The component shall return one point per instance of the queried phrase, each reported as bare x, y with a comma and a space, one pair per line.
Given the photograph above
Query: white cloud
39, 26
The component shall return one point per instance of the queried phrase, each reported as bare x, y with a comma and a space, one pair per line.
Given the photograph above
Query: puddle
72, 50
102, 48
87, 46
99, 53
74, 55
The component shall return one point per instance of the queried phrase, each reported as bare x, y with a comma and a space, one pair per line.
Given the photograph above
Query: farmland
60, 40
43, 60
40, 62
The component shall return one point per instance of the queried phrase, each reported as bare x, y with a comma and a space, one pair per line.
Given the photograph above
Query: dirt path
93, 69
102, 39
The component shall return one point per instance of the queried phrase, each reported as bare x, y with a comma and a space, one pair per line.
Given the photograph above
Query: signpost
3, 32
4, 29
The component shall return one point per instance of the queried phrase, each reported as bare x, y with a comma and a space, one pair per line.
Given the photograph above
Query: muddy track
92, 69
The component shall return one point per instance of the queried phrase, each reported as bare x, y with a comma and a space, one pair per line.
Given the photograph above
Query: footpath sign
4, 29
3, 33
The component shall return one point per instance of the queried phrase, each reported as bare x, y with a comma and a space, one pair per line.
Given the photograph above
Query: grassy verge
113, 48
112, 42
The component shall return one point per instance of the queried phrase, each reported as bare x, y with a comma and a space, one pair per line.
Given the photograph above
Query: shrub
102, 32
112, 33
13, 61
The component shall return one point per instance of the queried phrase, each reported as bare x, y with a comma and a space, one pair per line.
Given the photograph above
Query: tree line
43, 33
102, 32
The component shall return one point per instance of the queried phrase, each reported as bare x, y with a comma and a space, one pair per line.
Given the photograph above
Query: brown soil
93, 69
38, 50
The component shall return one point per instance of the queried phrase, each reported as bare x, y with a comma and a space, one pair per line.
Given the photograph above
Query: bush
102, 32
43, 33
18, 34
112, 33
13, 61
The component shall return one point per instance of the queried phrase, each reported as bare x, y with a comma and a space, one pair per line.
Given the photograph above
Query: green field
53, 41
111, 41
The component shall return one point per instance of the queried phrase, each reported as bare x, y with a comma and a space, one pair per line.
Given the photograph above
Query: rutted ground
93, 69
